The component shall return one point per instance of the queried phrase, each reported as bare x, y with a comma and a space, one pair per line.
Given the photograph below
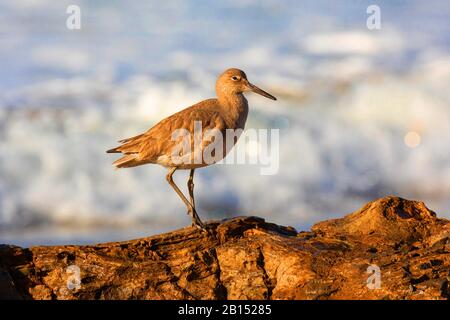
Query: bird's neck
236, 107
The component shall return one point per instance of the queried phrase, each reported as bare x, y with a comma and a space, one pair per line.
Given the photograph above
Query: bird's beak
257, 90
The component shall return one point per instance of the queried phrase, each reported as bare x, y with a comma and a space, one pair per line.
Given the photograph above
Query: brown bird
159, 146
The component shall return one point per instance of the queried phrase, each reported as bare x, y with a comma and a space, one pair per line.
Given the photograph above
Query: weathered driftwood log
248, 258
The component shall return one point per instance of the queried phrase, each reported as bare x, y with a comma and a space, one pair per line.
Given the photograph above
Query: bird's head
234, 81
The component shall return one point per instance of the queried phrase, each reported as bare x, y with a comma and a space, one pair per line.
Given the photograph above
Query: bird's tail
130, 160
130, 148
113, 150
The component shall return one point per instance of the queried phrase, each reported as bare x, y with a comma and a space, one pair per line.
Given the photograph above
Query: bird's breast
237, 112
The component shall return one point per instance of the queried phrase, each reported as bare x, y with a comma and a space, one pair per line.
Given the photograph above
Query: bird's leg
195, 219
190, 185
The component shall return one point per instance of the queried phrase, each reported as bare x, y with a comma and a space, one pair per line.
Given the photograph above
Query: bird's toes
199, 225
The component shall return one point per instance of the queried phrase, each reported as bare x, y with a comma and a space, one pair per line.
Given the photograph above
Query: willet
228, 111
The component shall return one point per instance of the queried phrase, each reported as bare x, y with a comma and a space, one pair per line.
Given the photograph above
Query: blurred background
362, 113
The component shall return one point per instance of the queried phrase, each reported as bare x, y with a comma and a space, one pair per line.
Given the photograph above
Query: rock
388, 220
248, 258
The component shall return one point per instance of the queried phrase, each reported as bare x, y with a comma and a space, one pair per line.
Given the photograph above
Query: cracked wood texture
248, 258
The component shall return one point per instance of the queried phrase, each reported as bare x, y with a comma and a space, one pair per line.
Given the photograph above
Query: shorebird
156, 146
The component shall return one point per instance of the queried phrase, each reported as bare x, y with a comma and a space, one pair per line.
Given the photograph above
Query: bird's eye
235, 78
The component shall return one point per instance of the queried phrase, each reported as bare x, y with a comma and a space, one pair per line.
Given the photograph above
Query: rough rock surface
248, 258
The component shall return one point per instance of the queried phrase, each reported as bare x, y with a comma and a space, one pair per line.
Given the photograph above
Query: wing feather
157, 141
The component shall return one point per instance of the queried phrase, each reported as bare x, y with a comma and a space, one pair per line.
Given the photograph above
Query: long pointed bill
261, 92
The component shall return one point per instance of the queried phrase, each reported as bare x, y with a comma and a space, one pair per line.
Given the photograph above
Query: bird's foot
196, 222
